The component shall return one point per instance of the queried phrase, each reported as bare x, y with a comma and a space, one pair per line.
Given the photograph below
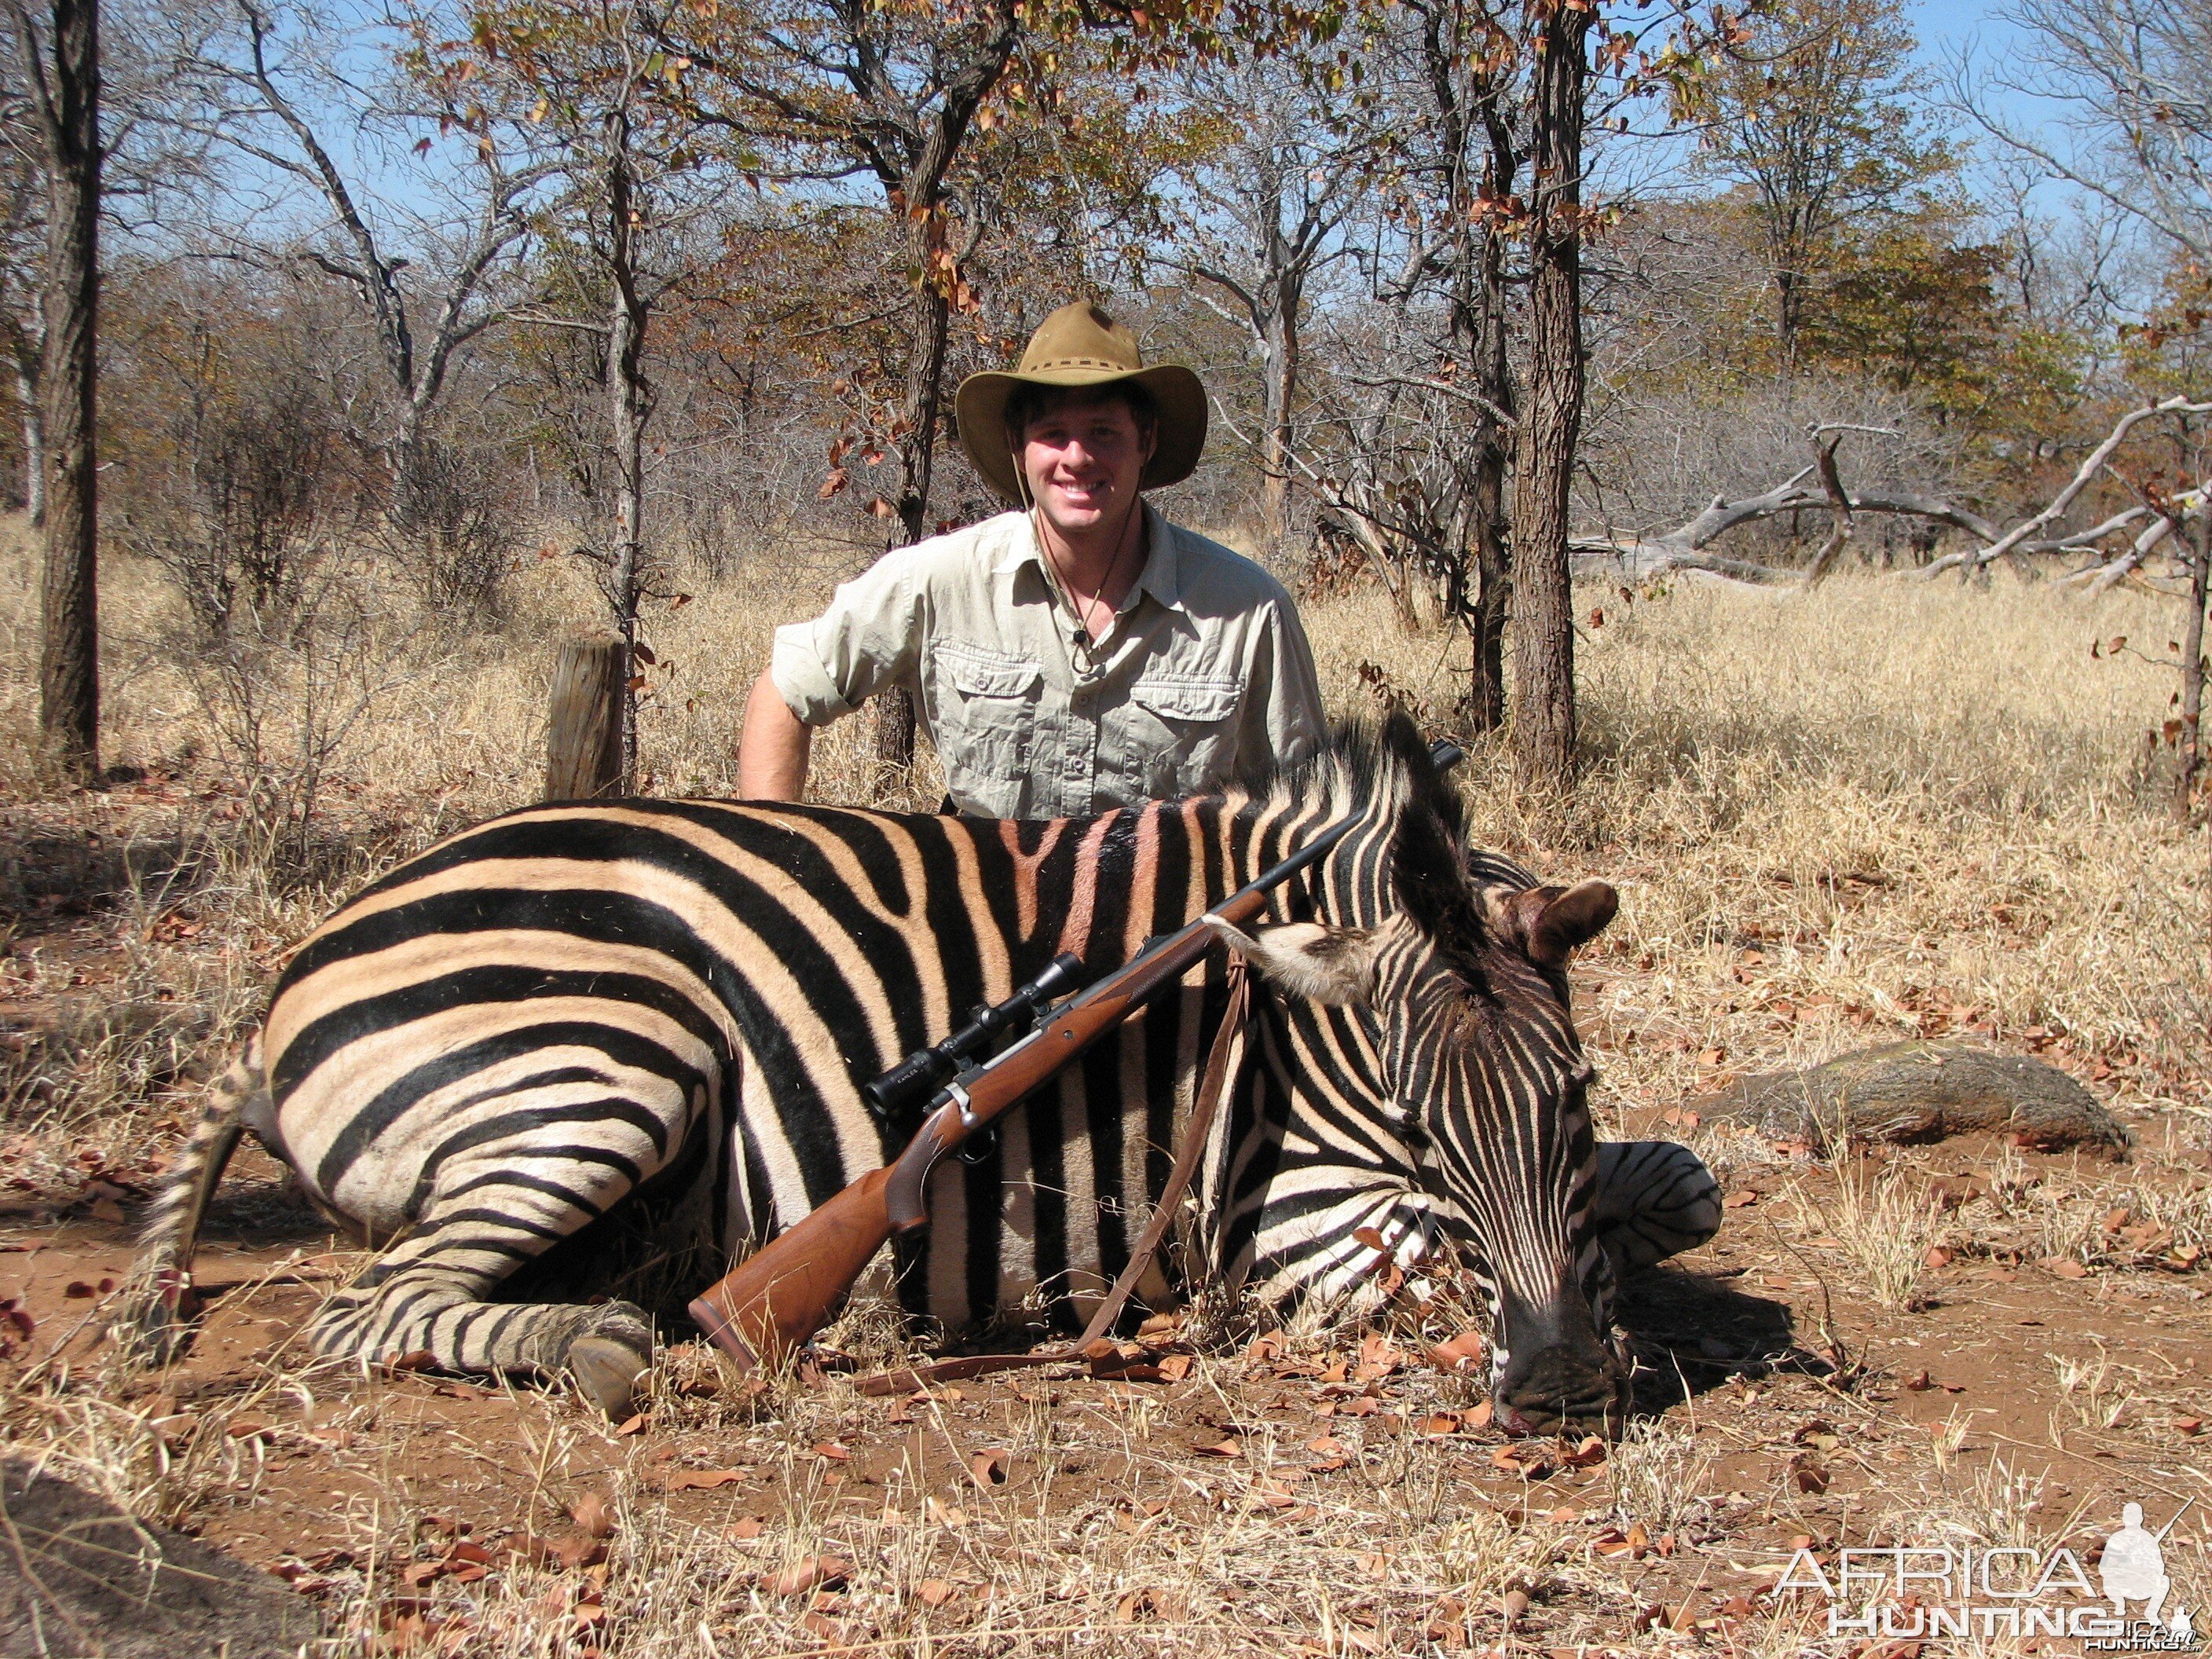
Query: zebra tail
157, 1319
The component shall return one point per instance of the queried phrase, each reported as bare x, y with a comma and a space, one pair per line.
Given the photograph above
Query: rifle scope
920, 1072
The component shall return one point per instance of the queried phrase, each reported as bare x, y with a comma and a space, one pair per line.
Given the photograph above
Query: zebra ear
1550, 922
1332, 966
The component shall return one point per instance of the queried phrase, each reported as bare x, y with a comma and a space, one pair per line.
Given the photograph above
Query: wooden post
584, 723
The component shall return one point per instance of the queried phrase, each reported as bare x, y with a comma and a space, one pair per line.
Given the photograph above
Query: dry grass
1875, 811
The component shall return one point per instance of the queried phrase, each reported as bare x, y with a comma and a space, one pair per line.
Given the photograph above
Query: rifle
773, 1302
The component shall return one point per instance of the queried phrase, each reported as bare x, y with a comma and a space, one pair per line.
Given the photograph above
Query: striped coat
652, 1017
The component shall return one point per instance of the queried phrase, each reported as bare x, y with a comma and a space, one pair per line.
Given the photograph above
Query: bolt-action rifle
774, 1301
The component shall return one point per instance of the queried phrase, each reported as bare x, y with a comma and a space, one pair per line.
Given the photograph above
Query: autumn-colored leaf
831, 1451
935, 1592
1228, 1446
945, 1514
703, 1479
1164, 1605
812, 1572
987, 1468
633, 1423
1174, 1367
2188, 1425
1742, 1198
1460, 1351
1589, 1454
1441, 1424
594, 1516
2064, 1267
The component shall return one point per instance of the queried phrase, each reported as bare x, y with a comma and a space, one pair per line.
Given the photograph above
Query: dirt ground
1848, 820
1782, 1404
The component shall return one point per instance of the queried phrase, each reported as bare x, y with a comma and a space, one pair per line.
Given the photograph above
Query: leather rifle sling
1221, 1066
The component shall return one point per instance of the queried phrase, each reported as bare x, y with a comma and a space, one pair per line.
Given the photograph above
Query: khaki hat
1079, 346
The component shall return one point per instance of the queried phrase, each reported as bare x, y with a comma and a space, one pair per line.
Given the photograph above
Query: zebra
650, 1018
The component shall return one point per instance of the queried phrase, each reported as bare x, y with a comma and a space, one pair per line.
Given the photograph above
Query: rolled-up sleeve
1283, 671
868, 640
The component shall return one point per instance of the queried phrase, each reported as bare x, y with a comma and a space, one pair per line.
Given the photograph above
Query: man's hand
772, 755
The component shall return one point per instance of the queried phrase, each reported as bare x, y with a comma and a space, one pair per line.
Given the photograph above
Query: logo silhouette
2133, 1569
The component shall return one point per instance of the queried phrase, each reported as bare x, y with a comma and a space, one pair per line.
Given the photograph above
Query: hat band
1082, 362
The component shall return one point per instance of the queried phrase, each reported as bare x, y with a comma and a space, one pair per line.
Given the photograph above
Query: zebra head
1456, 963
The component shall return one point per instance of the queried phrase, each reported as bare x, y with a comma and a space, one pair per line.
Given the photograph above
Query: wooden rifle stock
774, 1301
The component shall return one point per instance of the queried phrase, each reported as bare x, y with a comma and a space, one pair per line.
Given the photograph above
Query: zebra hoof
606, 1372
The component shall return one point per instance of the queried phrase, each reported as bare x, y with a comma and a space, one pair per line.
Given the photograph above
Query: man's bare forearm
773, 753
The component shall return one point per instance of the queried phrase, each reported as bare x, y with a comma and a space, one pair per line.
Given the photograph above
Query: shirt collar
1162, 576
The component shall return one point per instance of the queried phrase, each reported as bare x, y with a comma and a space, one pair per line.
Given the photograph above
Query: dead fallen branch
2095, 462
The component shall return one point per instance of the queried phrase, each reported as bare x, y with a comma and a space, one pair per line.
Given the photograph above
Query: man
1077, 653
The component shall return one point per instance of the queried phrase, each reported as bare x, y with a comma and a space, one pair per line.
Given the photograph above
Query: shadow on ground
1691, 1332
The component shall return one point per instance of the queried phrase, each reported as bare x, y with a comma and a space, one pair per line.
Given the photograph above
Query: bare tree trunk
627, 318
34, 448
1551, 420
1284, 354
2192, 667
925, 398
66, 91
1494, 380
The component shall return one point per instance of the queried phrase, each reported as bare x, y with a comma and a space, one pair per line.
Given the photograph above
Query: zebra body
667, 1008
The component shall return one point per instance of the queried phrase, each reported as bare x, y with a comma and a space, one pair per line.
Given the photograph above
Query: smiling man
1077, 653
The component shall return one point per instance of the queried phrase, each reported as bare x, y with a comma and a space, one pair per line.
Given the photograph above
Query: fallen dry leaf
1164, 1605
989, 1466
703, 1479
1174, 1367
594, 1516
1742, 1198
2064, 1267
936, 1592
1460, 1351
812, 1573
743, 1531
1228, 1446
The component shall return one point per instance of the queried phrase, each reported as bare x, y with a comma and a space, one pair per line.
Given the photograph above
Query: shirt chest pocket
1182, 734
983, 708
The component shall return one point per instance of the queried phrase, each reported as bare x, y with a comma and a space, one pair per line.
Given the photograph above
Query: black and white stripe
664, 1010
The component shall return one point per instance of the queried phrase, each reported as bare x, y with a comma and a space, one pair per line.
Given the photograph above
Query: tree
1267, 199
820, 92
591, 80
1814, 115
1552, 411
59, 54
424, 274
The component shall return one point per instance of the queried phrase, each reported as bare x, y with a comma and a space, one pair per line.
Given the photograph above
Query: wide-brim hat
1080, 346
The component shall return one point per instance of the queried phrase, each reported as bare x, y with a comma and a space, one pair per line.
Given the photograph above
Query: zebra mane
1383, 770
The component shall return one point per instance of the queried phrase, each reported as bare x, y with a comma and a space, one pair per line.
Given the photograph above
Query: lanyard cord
1061, 592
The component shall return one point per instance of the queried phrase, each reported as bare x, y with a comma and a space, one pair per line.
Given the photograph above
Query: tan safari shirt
1206, 676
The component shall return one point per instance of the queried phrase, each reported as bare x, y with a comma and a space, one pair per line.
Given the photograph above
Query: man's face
1083, 459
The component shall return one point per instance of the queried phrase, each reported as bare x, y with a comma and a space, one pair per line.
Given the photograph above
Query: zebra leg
1654, 1199
498, 1206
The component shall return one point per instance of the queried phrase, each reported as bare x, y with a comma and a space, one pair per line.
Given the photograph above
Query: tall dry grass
1880, 808
1868, 812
